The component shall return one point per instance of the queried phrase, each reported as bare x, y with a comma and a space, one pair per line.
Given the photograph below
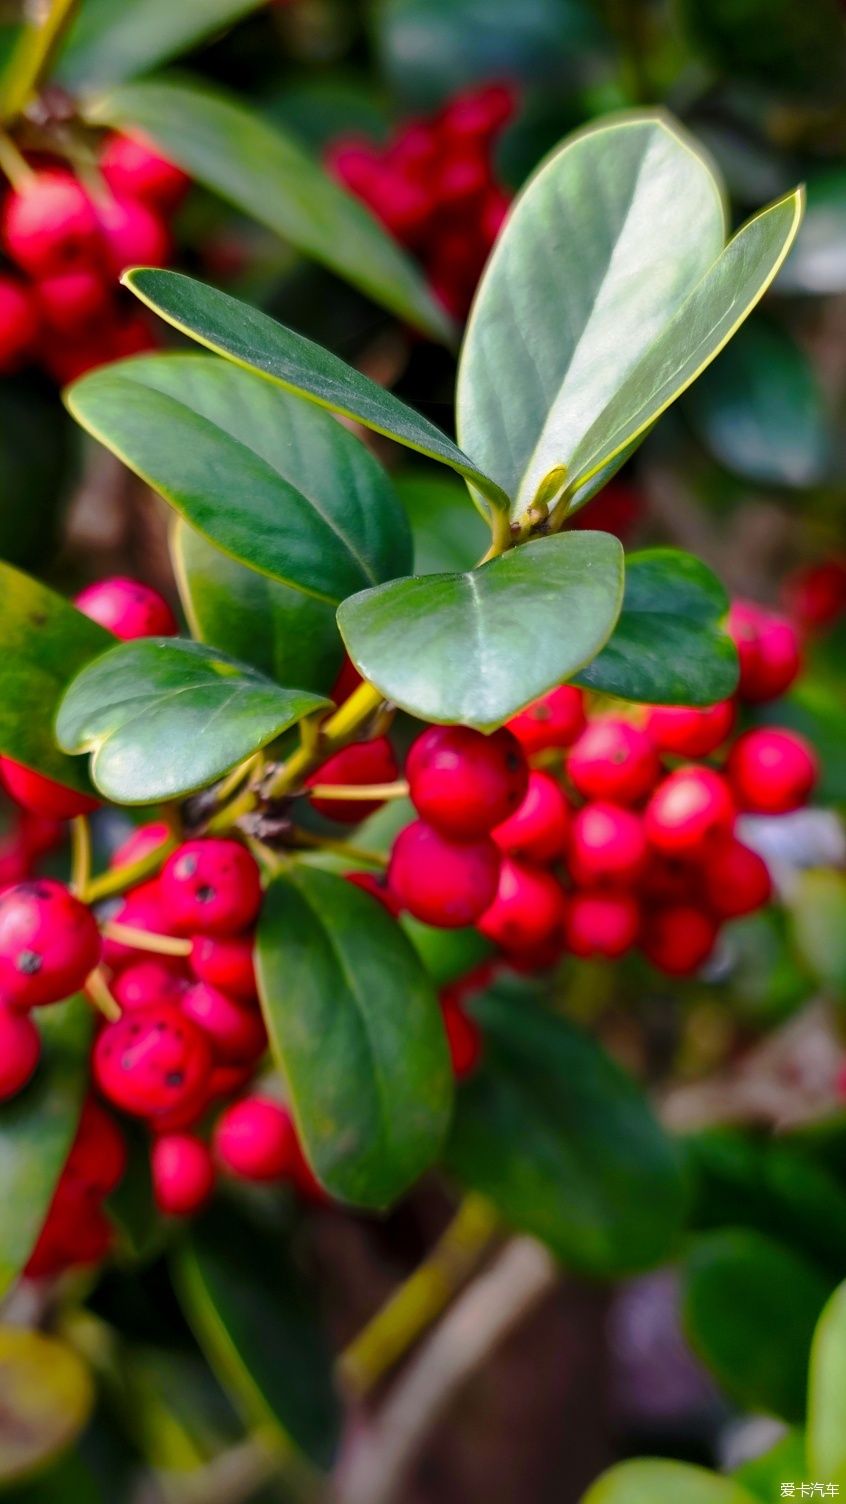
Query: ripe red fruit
20, 1051
128, 608
225, 963
98, 1153
211, 887
816, 594
528, 911
555, 720
182, 1171
142, 908
134, 169
50, 225
772, 772
49, 942
442, 882
236, 1030
538, 829
18, 324
360, 763
43, 796
376, 887
604, 924
134, 234
69, 302
255, 1140
464, 783
152, 1061
672, 879
768, 649
464, 1037
141, 844
151, 980
613, 760
689, 730
607, 845
75, 1230
477, 114
688, 806
679, 939
736, 880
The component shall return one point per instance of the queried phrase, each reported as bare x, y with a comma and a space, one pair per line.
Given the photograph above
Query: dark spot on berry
174, 1078
29, 962
206, 893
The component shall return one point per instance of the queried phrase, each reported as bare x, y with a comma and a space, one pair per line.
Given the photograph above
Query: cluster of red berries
68, 244
435, 188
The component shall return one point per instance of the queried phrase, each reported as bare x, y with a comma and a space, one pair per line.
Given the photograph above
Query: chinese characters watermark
810, 1490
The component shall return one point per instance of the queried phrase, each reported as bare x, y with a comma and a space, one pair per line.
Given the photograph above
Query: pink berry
538, 829
464, 1038
601, 924
128, 608
69, 302
772, 772
226, 963
236, 1030
134, 169
134, 234
442, 882
360, 763
255, 1140
49, 942
768, 649
211, 887
687, 730
20, 1050
149, 981
679, 939
41, 795
737, 880
555, 720
528, 911
152, 1061
688, 807
50, 225
183, 1174
613, 760
98, 1154
607, 845
18, 324
464, 783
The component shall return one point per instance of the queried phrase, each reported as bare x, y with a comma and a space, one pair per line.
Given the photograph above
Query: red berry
128, 608
355, 161
816, 594
737, 880
442, 882
679, 939
142, 908
688, 806
478, 114
236, 1030
528, 911
772, 772
538, 829
464, 783
134, 235
50, 225
152, 1061
613, 760
75, 1231
49, 942
607, 845
463, 178
360, 763
20, 1051
226, 963
149, 981
555, 720
226, 1081
415, 150
604, 924
98, 1154
404, 207
18, 324
464, 1038
70, 301
43, 796
134, 169
183, 1174
768, 649
688, 730
672, 879
255, 1140
142, 843
211, 887
376, 887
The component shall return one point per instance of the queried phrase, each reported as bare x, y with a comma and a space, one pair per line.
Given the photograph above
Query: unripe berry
236, 1030
43, 796
601, 924
20, 1051
464, 1038
255, 1140
555, 720
18, 324
98, 1153
464, 783
152, 1061
607, 845
360, 763
772, 772
736, 880
182, 1171
70, 301
442, 882
679, 939
613, 760
538, 829
140, 844
226, 963
768, 650
49, 942
211, 887
134, 234
134, 169
688, 807
128, 608
50, 225
528, 911
148, 981
689, 730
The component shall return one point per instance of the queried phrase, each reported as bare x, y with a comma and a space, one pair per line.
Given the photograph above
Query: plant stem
336, 731
340, 848
14, 166
118, 879
80, 855
31, 57
363, 791
160, 945
100, 994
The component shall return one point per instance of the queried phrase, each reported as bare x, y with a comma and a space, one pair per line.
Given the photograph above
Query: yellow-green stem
334, 733
31, 58
97, 989
14, 166
118, 879
160, 945
359, 791
80, 874
340, 848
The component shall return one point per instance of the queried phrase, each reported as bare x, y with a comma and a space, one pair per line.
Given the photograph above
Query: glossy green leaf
760, 410
37, 1129
750, 1306
782, 45
253, 339
273, 482
446, 954
817, 263
284, 633
447, 533
267, 175
827, 1392
255, 1318
48, 1397
657, 1481
110, 40
563, 1141
669, 645
477, 647
817, 909
44, 642
355, 1026
163, 717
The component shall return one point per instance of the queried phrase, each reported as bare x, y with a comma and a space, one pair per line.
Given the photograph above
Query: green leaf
37, 1129
669, 646
110, 40
267, 175
750, 1306
827, 1392
760, 410
447, 533
48, 1397
782, 45
817, 263
36, 469
44, 642
355, 1026
253, 339
817, 908
284, 633
763, 1475
255, 1318
164, 717
563, 1142
274, 483
477, 647
446, 954
657, 1481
